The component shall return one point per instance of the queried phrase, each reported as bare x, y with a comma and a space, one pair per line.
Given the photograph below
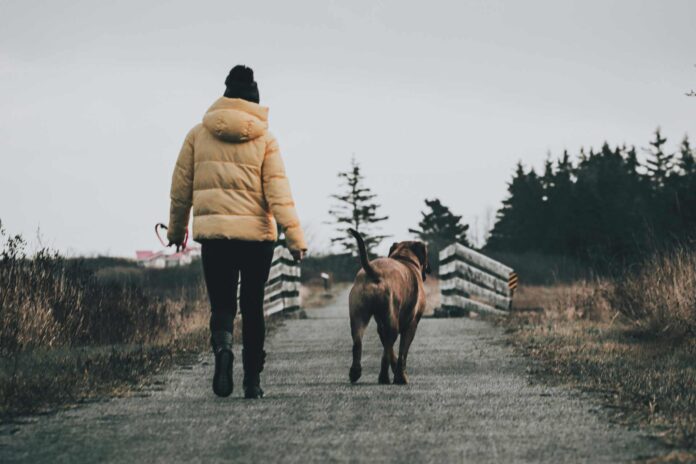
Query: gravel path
469, 401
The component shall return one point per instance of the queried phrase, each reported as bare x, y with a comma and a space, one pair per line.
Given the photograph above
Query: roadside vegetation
603, 207
630, 339
73, 328
603, 243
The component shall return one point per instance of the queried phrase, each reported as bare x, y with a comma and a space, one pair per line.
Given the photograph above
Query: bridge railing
471, 281
282, 291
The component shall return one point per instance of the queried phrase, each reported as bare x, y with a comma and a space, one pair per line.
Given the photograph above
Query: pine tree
560, 222
687, 162
663, 202
637, 191
356, 209
520, 221
684, 185
548, 179
632, 163
659, 163
439, 228
503, 233
604, 214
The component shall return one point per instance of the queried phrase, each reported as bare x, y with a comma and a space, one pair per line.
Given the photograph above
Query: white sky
438, 100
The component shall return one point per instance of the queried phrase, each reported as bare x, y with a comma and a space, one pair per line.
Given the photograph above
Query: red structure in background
162, 259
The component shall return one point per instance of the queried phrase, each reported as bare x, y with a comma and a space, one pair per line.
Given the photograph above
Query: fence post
472, 282
282, 291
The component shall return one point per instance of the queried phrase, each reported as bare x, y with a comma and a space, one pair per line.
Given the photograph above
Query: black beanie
240, 84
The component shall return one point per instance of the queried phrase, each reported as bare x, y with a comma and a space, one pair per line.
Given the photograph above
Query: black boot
224, 359
253, 365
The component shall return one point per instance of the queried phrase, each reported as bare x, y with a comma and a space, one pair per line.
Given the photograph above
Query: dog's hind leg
387, 328
392, 355
357, 329
388, 337
407, 336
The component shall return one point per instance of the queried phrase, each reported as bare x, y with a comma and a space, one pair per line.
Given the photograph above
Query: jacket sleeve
276, 188
181, 194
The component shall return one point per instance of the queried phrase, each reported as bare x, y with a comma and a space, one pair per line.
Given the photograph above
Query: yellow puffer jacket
231, 172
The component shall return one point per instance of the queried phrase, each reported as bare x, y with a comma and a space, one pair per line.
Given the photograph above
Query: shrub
659, 296
48, 301
581, 300
535, 268
71, 328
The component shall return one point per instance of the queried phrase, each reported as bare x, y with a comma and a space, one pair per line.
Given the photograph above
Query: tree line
605, 208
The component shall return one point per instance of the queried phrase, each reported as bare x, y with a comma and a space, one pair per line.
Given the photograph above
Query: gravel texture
469, 401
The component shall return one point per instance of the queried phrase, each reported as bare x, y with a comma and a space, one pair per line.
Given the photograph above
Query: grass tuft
632, 339
659, 297
72, 328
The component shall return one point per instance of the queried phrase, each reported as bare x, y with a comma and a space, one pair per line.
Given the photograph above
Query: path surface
469, 401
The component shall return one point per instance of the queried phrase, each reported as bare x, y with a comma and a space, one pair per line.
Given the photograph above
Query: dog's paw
354, 374
384, 379
401, 378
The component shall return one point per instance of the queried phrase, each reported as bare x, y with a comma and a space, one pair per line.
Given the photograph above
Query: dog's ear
393, 248
421, 251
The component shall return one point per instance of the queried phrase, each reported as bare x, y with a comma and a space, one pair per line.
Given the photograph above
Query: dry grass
565, 302
645, 374
68, 331
49, 302
659, 297
39, 380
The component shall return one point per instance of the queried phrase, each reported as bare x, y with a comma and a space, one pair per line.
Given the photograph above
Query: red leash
159, 226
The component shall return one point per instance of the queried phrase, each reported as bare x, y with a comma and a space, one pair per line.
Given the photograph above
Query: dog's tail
364, 262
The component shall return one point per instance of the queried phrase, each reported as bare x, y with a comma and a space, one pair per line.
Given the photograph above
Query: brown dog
391, 290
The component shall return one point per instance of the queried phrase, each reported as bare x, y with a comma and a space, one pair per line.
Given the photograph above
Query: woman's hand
298, 255
179, 245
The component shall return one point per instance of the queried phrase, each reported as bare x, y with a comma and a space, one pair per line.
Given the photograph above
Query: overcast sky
437, 100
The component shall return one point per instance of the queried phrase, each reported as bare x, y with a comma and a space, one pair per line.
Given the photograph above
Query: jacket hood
236, 120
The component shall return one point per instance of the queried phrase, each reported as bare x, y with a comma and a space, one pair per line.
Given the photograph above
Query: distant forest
604, 208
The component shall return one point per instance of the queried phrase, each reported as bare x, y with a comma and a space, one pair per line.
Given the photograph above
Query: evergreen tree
659, 163
520, 220
684, 185
687, 162
439, 228
503, 233
356, 209
548, 179
637, 192
560, 221
632, 163
663, 201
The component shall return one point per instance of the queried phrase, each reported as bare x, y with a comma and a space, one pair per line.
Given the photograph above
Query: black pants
223, 262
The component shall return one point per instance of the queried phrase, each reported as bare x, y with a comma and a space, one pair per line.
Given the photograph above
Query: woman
231, 172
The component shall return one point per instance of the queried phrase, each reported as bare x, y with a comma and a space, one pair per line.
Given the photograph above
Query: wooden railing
471, 281
283, 287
